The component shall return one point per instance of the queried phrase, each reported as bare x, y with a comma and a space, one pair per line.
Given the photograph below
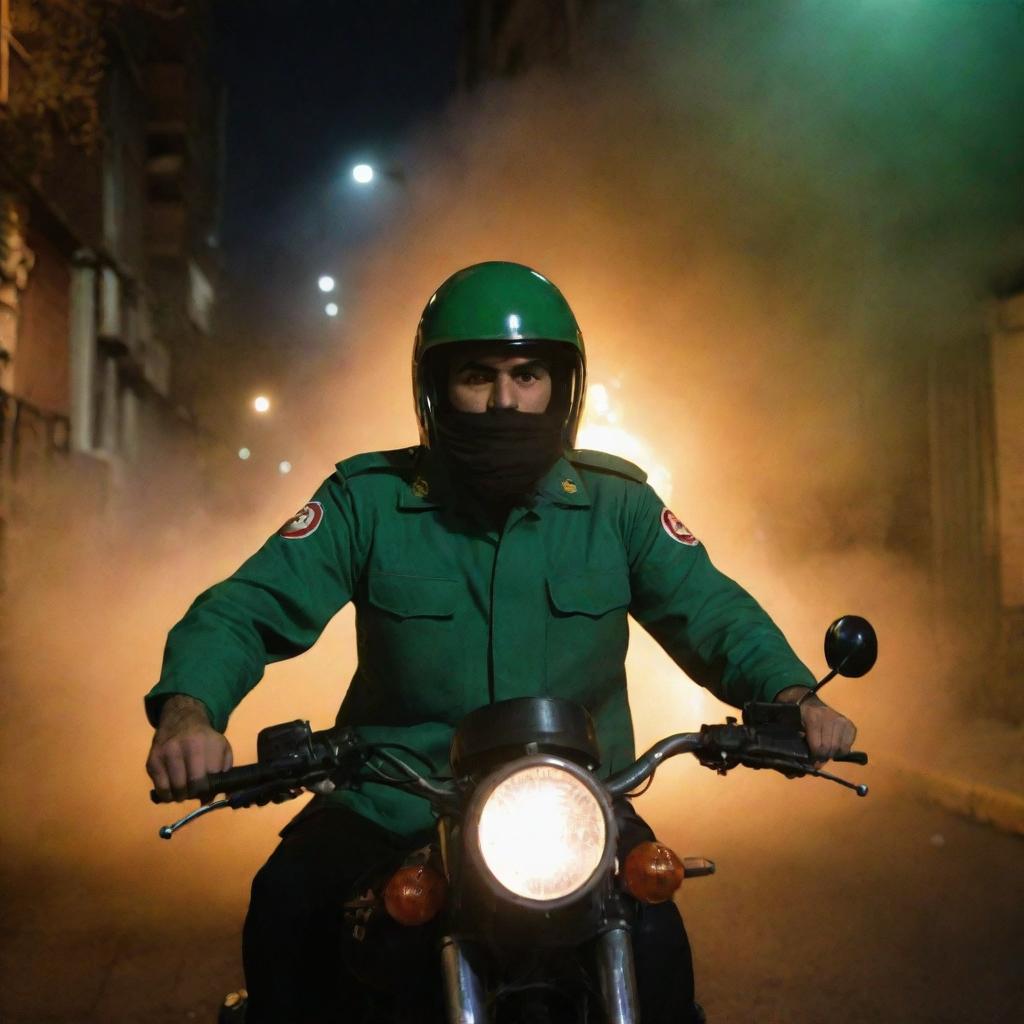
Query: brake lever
167, 831
797, 769
858, 787
270, 792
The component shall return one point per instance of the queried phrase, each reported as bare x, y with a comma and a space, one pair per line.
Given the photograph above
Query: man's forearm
179, 706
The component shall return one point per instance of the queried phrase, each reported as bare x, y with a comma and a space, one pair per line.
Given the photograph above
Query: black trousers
293, 932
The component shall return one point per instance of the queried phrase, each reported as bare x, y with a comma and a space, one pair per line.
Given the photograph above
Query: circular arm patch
304, 522
676, 529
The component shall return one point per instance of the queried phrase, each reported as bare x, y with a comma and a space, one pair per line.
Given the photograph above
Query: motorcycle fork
464, 992
616, 976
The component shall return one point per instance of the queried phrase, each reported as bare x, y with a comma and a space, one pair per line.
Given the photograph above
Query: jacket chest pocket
409, 648
587, 632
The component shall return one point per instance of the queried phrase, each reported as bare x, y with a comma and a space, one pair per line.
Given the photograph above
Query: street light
363, 173
284, 466
244, 453
261, 403
326, 283
331, 309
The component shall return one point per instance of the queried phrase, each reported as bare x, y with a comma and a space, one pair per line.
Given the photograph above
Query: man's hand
828, 732
186, 748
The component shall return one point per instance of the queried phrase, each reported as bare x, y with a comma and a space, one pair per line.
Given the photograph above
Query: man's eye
527, 376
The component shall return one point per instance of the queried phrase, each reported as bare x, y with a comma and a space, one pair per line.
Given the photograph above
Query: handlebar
723, 747
292, 757
640, 770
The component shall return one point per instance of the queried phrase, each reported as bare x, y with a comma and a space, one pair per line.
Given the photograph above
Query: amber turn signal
415, 894
652, 873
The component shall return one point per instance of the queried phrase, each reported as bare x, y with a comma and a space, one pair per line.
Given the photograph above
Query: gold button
420, 487
568, 486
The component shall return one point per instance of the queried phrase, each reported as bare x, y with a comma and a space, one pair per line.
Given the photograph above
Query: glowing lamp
415, 894
542, 833
652, 873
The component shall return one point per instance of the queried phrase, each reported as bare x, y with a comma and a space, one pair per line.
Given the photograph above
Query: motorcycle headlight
542, 829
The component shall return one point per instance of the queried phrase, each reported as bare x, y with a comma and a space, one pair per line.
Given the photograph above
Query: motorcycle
526, 895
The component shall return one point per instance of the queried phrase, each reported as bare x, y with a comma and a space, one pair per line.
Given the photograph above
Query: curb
1003, 809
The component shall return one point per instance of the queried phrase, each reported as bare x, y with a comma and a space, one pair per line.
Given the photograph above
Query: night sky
314, 86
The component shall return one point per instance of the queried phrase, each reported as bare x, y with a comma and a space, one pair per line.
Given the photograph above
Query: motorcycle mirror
851, 647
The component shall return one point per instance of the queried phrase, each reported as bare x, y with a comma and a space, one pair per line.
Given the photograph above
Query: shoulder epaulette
398, 460
608, 463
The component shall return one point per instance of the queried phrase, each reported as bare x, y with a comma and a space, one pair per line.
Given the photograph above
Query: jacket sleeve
708, 624
274, 607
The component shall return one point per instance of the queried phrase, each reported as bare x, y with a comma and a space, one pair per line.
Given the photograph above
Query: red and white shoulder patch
676, 529
304, 522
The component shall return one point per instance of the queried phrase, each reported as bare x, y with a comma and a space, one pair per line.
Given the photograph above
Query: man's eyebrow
479, 367
531, 364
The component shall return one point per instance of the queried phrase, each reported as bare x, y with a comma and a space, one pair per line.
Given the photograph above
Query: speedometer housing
509, 729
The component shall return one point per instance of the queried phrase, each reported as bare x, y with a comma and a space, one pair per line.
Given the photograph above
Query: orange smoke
756, 312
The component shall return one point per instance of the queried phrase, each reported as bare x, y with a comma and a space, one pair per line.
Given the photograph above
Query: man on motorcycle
491, 561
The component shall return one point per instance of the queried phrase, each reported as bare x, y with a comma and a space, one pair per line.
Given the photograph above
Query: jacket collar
430, 485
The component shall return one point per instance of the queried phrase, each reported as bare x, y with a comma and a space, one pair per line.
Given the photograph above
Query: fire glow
602, 430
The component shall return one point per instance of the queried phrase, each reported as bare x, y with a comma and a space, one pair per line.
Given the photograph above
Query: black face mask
501, 454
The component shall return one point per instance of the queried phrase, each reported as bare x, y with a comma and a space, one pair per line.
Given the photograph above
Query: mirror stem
817, 686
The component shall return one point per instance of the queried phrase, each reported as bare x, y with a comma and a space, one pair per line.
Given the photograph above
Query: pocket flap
413, 596
589, 593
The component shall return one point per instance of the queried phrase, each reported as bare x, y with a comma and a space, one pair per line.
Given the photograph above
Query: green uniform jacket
452, 614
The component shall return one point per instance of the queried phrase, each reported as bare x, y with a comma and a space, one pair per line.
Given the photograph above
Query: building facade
108, 255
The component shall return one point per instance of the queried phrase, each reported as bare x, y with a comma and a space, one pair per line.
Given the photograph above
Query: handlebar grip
233, 779
853, 757
242, 777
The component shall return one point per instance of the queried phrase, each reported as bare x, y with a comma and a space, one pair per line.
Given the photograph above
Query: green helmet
504, 302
